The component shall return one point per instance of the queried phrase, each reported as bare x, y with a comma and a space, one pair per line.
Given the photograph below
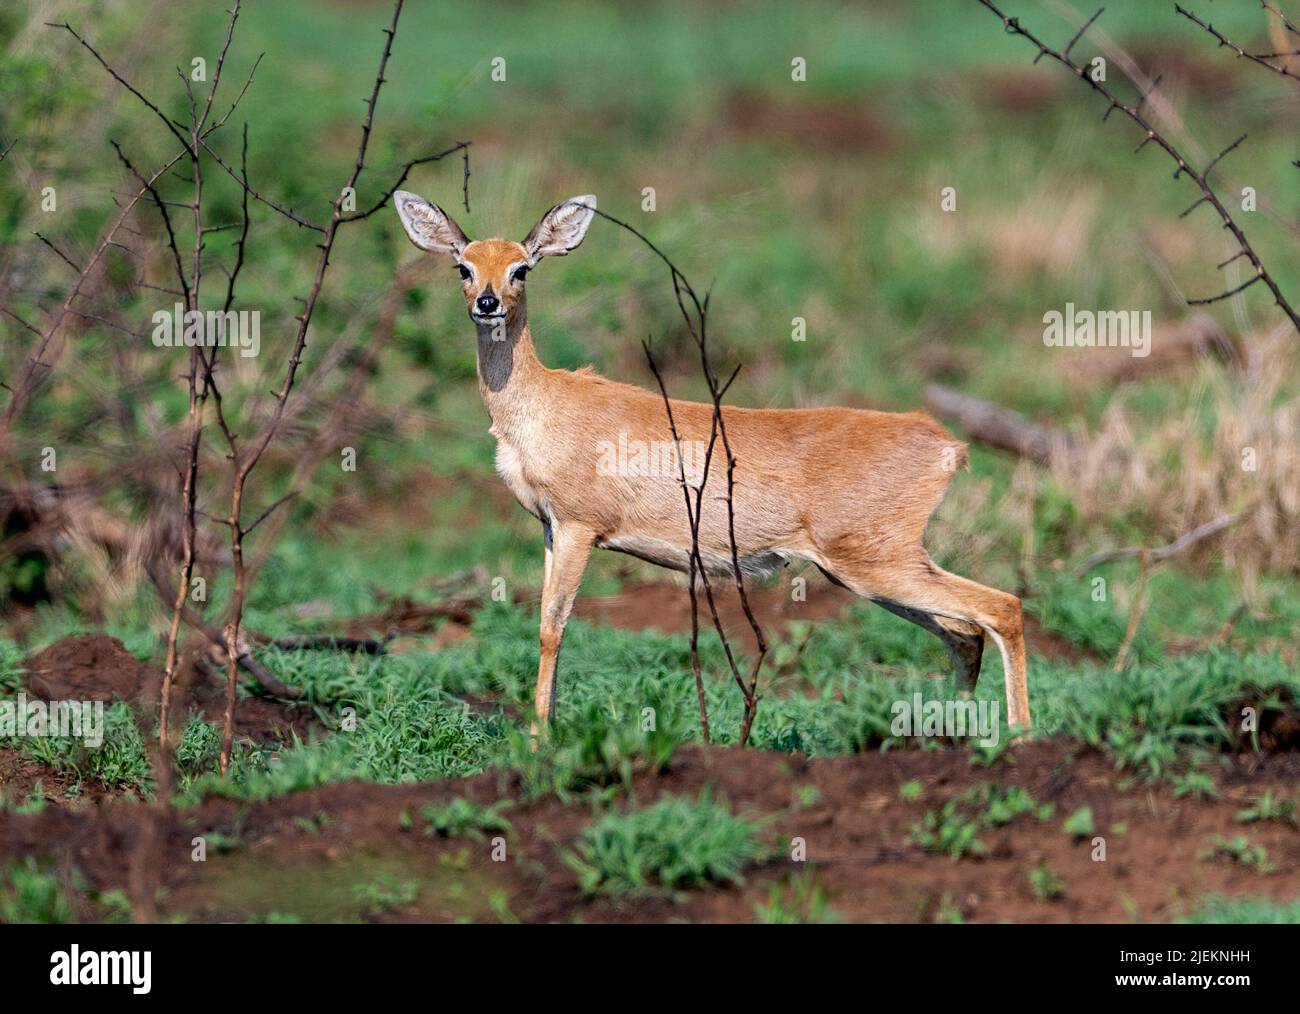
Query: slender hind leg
964, 641
918, 585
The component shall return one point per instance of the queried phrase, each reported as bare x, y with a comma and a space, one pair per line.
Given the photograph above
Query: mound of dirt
90, 667
96, 667
1279, 727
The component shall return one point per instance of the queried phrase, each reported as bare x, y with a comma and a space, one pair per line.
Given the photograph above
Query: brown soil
1015, 90
1210, 80
96, 667
307, 854
1279, 729
810, 124
19, 776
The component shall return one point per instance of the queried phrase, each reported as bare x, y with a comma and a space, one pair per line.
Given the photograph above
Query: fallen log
996, 426
217, 639
327, 642
1179, 545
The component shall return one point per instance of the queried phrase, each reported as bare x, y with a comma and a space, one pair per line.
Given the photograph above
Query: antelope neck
509, 373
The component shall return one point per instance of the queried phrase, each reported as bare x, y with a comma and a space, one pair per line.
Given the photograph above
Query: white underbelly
677, 557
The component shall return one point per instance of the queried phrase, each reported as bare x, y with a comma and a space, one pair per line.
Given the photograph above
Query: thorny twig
1134, 113
245, 459
696, 319
1260, 58
201, 380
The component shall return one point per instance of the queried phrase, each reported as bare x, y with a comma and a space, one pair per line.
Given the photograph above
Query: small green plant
33, 804
464, 818
1080, 823
1240, 850
1046, 884
499, 903
982, 756
32, 894
1197, 784
385, 893
799, 899
911, 791
115, 904
955, 828
1269, 807
948, 912
597, 746
947, 831
676, 843
1219, 910
1004, 807
313, 825
219, 843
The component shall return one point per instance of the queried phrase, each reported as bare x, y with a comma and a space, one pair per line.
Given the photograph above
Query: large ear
561, 229
429, 227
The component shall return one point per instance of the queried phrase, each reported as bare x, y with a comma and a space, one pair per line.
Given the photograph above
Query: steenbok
849, 490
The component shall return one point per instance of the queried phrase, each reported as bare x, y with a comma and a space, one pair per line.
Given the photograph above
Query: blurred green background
817, 199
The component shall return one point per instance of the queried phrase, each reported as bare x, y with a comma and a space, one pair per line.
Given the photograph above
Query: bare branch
1181, 544
257, 195
62, 256
1286, 22
697, 325
1225, 295
22, 390
167, 121
461, 146
1014, 27
1259, 58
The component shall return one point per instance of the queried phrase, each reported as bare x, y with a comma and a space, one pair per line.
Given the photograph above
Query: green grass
1269, 807
464, 818
955, 828
800, 899
601, 97
628, 698
1239, 849
1046, 883
1230, 911
32, 894
674, 844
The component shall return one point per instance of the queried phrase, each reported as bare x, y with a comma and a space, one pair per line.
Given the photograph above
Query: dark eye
520, 273
464, 271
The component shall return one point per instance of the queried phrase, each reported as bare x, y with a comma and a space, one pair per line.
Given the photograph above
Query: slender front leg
546, 561
570, 547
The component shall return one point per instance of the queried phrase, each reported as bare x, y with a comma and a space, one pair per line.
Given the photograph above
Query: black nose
487, 304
